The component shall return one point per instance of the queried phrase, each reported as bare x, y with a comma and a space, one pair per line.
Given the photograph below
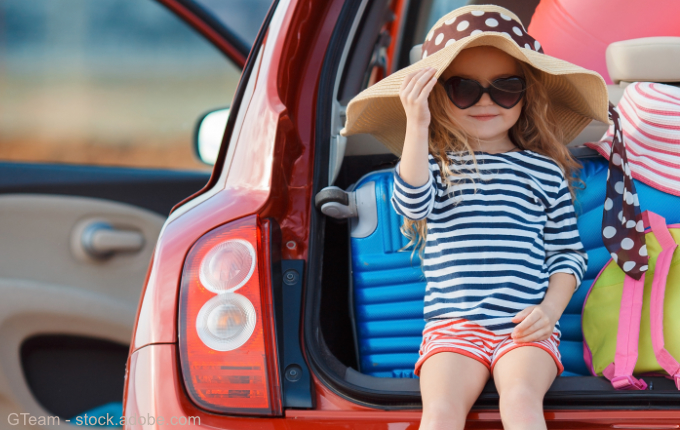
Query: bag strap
620, 372
662, 267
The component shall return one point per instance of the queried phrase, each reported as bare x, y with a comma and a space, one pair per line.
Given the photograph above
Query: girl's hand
413, 94
536, 323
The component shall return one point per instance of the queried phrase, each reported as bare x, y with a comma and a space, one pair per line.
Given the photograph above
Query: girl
501, 260
485, 186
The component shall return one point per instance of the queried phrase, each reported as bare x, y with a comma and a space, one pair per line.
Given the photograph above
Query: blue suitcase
388, 285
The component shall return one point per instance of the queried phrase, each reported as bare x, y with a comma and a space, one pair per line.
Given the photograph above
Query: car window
441, 8
243, 17
105, 82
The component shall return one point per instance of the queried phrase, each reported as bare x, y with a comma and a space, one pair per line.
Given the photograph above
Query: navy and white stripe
490, 253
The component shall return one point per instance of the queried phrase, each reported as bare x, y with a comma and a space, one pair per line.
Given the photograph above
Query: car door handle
102, 240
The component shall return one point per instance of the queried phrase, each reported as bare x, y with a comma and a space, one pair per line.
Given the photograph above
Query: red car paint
281, 189
154, 388
270, 174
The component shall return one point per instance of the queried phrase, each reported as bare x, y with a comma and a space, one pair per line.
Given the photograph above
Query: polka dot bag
624, 319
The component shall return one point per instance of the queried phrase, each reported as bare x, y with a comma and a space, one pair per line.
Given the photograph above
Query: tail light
226, 322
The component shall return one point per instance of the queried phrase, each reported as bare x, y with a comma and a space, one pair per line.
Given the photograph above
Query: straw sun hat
579, 95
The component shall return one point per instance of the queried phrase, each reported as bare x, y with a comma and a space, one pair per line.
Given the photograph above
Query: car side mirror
209, 133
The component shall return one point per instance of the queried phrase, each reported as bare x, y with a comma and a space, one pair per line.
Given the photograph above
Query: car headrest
648, 59
416, 52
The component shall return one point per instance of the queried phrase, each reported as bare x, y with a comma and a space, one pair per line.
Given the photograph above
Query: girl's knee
435, 418
443, 411
521, 397
521, 407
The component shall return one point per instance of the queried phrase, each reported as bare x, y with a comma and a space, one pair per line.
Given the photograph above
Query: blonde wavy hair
535, 130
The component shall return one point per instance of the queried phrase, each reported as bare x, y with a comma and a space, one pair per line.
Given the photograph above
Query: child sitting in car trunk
485, 185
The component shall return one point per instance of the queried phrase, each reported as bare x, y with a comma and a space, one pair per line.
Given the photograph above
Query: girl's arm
566, 261
414, 165
414, 188
564, 251
560, 290
537, 322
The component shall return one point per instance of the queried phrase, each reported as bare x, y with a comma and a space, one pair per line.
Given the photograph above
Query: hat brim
578, 95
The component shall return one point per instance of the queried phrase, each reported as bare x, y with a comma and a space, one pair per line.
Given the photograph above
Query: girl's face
485, 120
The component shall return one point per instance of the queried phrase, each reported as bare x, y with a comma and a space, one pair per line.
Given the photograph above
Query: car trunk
332, 349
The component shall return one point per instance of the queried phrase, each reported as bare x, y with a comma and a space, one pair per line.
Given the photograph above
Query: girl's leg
523, 376
449, 384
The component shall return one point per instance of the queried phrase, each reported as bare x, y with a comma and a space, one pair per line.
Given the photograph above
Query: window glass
243, 17
441, 8
105, 82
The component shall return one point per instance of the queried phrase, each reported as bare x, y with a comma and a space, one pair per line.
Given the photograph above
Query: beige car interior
652, 59
68, 265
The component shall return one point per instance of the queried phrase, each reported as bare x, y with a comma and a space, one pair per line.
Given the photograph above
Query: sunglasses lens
463, 92
507, 92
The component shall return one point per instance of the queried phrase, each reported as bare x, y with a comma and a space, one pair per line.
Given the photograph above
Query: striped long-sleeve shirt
490, 253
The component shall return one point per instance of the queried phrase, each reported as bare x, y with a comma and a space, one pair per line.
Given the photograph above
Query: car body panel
268, 143
155, 389
395, 29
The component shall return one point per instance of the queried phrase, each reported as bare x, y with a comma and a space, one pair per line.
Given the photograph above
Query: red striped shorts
464, 337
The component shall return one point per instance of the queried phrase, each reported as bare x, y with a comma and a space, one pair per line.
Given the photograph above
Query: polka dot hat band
473, 23
622, 224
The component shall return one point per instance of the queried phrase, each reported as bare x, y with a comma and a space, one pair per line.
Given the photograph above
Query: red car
279, 351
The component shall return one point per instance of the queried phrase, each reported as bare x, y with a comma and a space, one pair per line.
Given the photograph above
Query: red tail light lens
226, 322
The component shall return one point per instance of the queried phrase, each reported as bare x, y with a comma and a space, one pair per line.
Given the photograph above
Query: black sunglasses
464, 93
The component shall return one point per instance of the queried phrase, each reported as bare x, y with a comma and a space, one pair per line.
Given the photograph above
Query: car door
99, 101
